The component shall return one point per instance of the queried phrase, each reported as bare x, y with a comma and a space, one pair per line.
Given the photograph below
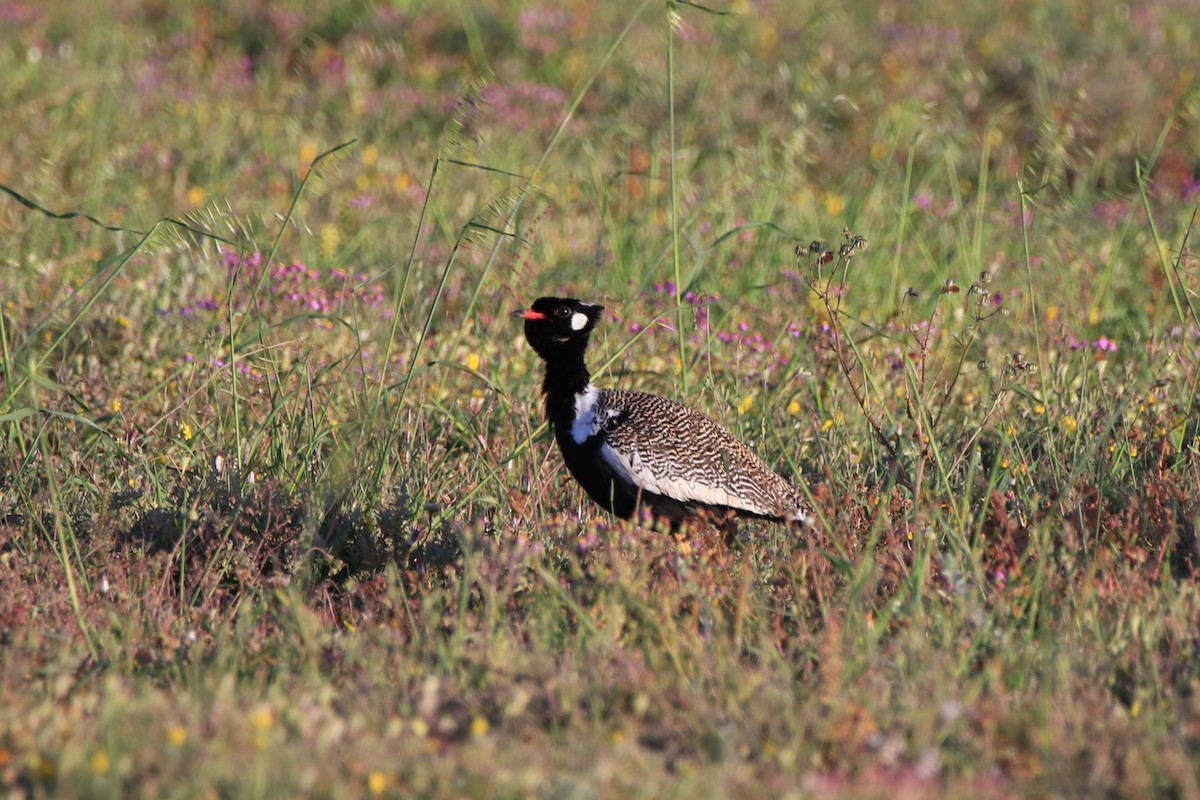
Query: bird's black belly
614, 494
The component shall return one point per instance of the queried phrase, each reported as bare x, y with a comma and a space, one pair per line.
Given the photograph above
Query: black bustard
631, 448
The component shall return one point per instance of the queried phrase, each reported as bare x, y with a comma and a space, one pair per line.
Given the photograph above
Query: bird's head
556, 324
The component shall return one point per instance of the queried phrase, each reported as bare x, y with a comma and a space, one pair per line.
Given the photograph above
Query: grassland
278, 513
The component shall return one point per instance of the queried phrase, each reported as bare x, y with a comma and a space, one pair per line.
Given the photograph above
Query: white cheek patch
579, 321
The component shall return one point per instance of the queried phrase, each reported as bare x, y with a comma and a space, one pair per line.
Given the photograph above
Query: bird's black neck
566, 376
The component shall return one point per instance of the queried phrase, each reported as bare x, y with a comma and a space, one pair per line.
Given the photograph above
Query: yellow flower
377, 782
185, 431
473, 362
479, 726
176, 735
308, 152
836, 419
331, 237
370, 155
115, 406
745, 404
196, 195
1039, 409
123, 321
262, 718
1069, 424
768, 37
100, 763
835, 204
794, 407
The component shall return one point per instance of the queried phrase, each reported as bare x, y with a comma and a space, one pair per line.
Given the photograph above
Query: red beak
529, 313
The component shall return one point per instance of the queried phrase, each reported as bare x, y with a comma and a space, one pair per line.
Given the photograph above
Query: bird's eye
562, 311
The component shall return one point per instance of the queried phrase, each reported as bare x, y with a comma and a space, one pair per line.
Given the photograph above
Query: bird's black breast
593, 473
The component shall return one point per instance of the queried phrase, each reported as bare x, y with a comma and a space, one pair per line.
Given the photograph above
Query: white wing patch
586, 424
588, 419
634, 470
